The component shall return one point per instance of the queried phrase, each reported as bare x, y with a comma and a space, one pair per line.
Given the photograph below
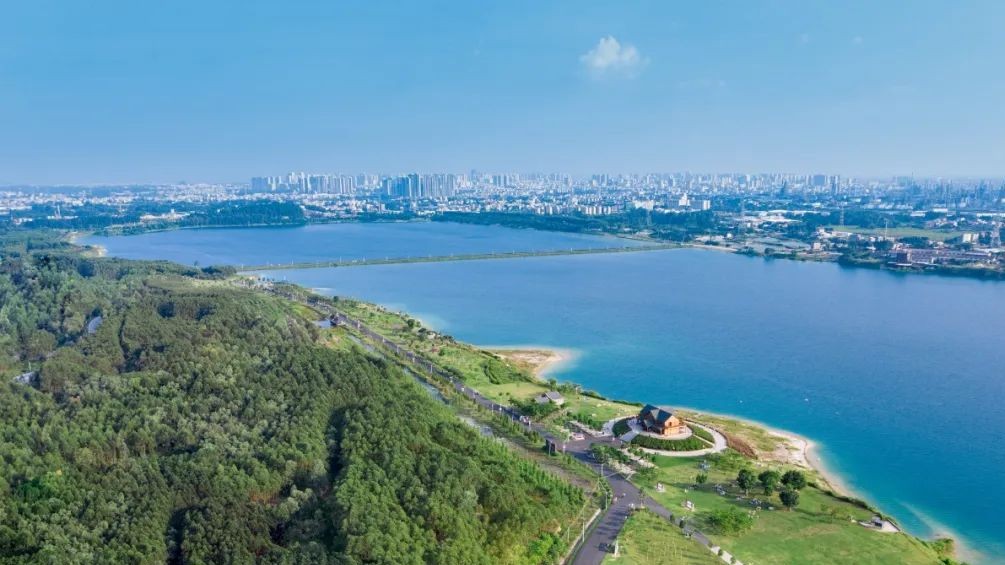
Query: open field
650, 540
934, 235
822, 529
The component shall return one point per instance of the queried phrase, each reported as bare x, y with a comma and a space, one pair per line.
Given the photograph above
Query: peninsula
828, 524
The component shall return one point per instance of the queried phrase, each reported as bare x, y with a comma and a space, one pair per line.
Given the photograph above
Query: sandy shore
94, 250
805, 453
793, 450
541, 361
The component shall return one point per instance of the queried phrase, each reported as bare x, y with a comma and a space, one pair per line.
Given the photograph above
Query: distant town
949, 225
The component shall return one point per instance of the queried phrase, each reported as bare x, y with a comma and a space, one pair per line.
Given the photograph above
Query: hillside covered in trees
201, 423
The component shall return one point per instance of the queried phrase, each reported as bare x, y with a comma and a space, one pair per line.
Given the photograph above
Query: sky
116, 92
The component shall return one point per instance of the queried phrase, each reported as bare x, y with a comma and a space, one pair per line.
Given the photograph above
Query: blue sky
146, 92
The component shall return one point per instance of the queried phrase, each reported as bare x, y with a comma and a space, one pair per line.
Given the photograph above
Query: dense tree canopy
200, 423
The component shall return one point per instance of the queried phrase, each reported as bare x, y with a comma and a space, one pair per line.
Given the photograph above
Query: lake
898, 378
263, 246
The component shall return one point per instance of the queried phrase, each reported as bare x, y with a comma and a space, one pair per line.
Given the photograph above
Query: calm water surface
264, 246
898, 378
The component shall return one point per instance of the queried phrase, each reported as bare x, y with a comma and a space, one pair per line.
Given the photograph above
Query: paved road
594, 549
626, 495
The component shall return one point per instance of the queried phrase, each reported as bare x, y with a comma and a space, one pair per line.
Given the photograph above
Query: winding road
603, 534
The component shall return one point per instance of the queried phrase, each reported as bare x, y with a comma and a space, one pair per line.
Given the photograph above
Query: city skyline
109, 93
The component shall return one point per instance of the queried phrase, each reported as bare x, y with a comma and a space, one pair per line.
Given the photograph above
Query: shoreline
805, 452
541, 361
74, 238
801, 451
796, 449
960, 272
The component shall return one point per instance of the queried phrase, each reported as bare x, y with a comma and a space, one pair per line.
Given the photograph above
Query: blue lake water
899, 378
263, 246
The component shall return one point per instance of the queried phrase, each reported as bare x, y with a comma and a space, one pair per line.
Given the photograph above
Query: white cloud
612, 58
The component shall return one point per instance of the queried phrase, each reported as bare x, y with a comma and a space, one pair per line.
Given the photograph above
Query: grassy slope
934, 235
819, 530
650, 540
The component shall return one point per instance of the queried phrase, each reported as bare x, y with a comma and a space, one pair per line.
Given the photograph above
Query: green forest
203, 423
108, 219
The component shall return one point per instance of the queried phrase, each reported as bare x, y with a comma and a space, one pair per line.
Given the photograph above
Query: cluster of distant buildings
416, 186
903, 255
304, 183
433, 185
762, 212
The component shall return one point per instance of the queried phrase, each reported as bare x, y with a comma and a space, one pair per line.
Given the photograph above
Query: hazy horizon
574, 175
119, 93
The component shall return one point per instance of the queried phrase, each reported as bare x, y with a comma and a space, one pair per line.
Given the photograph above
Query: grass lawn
648, 539
934, 235
819, 530
602, 410
766, 445
338, 339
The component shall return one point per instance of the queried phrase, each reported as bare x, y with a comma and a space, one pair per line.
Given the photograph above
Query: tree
746, 479
701, 478
730, 520
256, 419
794, 480
769, 480
790, 498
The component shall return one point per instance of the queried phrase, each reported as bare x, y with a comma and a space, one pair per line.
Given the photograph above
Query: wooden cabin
662, 421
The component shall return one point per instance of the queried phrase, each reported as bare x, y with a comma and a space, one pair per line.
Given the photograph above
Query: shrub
702, 433
584, 418
688, 444
535, 409
730, 521
621, 427
606, 453
790, 498
794, 479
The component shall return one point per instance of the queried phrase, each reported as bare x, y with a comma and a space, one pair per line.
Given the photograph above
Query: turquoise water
898, 378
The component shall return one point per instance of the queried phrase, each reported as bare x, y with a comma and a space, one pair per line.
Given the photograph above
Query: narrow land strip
363, 262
